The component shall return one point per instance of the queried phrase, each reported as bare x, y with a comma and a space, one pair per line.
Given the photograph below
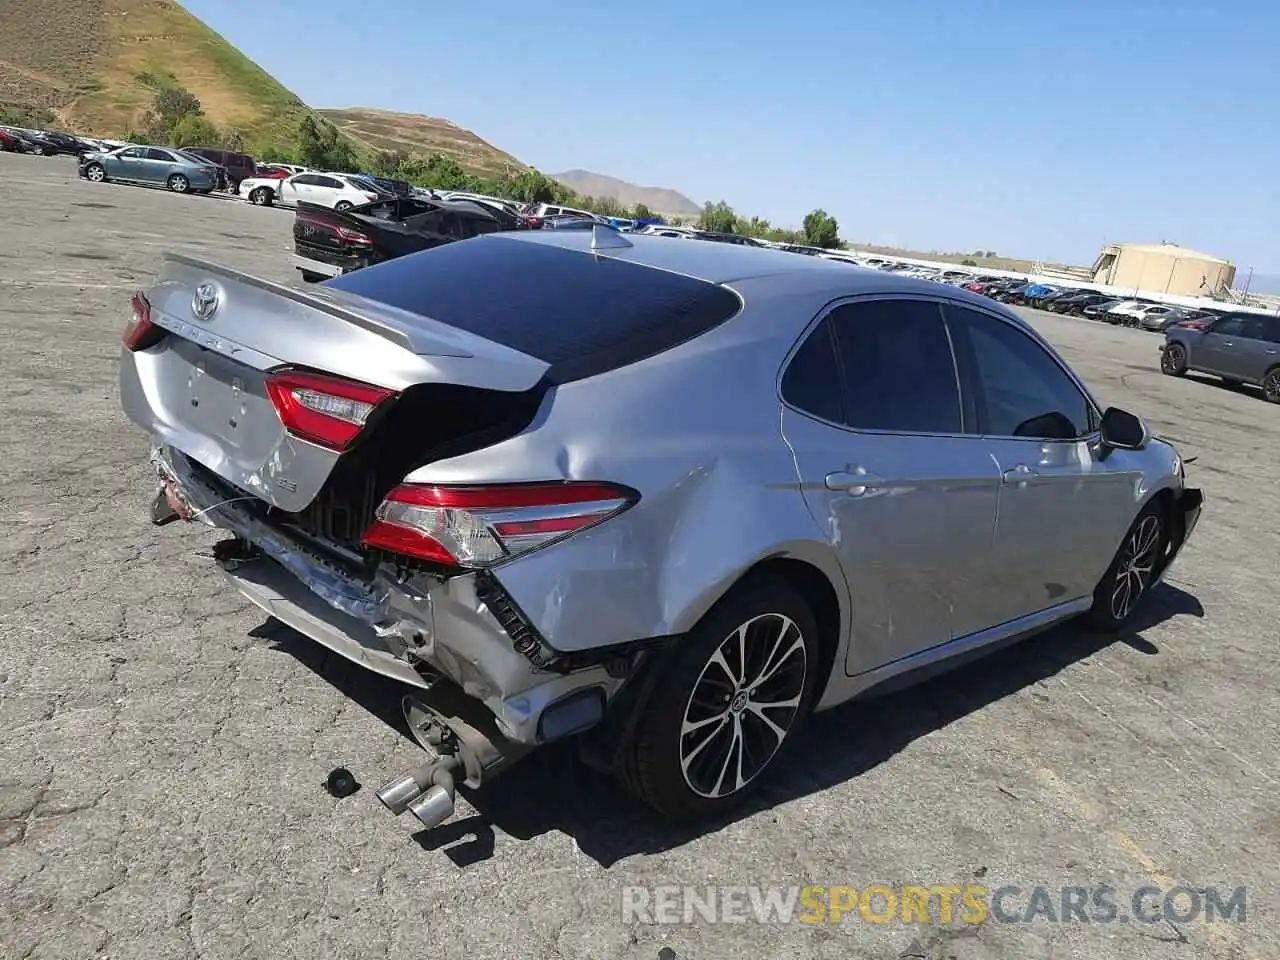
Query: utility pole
1248, 281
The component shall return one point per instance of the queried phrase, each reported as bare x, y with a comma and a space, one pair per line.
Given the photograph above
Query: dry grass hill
657, 199
98, 64
418, 135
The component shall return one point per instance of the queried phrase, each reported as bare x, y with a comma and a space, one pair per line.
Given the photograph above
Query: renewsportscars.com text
942, 904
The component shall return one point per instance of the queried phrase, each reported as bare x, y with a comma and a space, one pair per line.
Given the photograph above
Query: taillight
328, 411
140, 333
477, 526
346, 233
354, 236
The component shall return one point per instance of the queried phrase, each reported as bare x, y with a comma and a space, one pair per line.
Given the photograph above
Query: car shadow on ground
552, 790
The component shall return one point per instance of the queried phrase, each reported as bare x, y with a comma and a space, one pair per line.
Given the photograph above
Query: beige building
1163, 268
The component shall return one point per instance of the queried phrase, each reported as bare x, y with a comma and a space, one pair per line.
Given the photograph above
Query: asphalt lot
164, 745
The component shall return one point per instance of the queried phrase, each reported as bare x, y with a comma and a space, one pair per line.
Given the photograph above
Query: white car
1127, 311
1133, 313
544, 210
341, 191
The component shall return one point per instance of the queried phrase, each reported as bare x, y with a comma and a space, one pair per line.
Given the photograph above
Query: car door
1245, 354
157, 165
1220, 347
325, 191
872, 415
293, 189
1062, 507
126, 164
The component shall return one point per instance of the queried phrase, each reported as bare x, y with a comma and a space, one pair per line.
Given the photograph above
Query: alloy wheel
743, 705
95, 174
1134, 565
1271, 386
1173, 358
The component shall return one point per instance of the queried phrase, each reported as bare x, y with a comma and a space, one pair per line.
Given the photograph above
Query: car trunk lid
211, 386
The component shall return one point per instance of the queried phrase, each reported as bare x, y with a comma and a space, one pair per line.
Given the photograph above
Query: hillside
419, 135
658, 199
99, 63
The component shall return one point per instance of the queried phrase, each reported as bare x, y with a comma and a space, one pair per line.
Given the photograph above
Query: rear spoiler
314, 298
418, 334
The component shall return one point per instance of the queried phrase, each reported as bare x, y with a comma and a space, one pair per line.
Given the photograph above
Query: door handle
853, 480
1019, 475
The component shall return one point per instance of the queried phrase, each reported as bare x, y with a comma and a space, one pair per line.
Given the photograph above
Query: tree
174, 103
641, 212
821, 230
718, 218
321, 146
389, 162
193, 130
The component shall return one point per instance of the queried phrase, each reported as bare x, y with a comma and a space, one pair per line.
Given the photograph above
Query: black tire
1130, 575
261, 197
774, 623
309, 276
1173, 360
96, 173
1271, 385
342, 205
178, 183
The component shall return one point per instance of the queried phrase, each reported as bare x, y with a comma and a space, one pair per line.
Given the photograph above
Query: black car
328, 243
397, 188
33, 141
70, 144
1077, 301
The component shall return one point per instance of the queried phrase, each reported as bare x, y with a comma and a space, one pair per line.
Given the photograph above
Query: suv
239, 166
1238, 347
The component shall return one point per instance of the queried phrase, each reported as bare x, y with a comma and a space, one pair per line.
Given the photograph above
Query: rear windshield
581, 314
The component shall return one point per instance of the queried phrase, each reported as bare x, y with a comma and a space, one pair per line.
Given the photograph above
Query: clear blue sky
1037, 129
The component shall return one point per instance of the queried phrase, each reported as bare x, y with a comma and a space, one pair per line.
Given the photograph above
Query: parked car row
1123, 311
49, 143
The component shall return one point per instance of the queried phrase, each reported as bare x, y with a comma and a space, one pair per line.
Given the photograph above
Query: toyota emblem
204, 304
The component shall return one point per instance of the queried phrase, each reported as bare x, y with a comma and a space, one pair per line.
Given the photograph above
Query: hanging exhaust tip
434, 807
397, 794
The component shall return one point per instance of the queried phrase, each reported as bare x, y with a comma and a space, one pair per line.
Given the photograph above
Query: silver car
1238, 347
666, 498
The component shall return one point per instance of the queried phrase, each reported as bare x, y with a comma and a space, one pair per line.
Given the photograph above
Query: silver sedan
664, 498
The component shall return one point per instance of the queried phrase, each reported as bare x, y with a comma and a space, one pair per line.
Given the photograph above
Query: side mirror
1122, 430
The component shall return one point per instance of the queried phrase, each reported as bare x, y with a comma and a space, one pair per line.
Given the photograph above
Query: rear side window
582, 314
811, 382
899, 372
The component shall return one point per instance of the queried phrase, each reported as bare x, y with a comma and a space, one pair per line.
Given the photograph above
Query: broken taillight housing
477, 526
326, 410
140, 333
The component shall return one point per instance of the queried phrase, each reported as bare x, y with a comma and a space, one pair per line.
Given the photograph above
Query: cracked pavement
164, 745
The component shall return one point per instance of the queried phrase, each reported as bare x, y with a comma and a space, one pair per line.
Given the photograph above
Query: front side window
1021, 390
897, 365
134, 153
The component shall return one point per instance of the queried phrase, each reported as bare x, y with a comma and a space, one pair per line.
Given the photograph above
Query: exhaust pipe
427, 791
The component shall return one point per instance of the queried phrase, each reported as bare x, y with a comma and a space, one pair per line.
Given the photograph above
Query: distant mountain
418, 135
658, 199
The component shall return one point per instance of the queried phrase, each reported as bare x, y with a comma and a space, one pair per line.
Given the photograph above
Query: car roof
730, 263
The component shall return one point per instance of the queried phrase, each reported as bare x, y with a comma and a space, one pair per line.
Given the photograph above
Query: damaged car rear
569, 483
